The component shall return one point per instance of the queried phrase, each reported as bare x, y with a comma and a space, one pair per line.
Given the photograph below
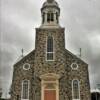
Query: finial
80, 52
50, 1
22, 52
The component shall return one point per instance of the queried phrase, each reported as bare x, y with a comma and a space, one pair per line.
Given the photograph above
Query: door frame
50, 78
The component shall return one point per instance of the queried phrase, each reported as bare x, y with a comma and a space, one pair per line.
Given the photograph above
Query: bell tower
50, 41
50, 12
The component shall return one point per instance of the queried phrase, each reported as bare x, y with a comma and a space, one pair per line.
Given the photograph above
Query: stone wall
41, 65
80, 74
19, 74
60, 66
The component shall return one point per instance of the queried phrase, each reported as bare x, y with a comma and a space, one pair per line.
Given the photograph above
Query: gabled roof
74, 56
33, 52
26, 57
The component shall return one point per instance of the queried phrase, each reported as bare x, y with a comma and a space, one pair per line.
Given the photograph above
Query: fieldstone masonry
41, 65
61, 65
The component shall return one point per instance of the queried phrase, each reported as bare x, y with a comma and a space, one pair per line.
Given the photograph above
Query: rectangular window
50, 52
52, 19
48, 17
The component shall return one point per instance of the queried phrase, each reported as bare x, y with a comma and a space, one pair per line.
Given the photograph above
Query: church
50, 72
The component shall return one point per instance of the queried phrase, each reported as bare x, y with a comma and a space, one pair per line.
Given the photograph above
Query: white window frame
78, 88
22, 89
53, 49
26, 68
74, 68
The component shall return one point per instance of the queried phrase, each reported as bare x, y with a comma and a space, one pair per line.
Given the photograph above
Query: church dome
50, 12
53, 3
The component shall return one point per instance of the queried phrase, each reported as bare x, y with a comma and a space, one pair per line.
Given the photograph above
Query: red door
50, 95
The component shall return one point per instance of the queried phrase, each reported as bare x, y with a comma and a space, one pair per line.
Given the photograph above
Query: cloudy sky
19, 18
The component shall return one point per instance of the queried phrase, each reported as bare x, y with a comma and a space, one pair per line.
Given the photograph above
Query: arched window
50, 51
75, 90
25, 90
52, 17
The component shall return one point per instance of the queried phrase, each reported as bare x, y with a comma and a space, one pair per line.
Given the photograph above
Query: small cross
22, 52
80, 52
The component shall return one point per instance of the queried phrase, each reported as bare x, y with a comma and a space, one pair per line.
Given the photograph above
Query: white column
55, 18
42, 90
45, 18
57, 90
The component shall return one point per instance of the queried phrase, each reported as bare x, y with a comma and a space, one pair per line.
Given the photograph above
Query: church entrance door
50, 95
49, 87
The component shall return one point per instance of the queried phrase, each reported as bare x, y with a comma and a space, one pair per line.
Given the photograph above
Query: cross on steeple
80, 52
22, 52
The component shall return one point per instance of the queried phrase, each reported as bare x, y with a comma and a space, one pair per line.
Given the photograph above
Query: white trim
49, 53
50, 75
95, 90
76, 66
53, 49
22, 89
78, 89
26, 68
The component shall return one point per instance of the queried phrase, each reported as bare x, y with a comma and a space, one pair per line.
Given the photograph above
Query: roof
50, 4
95, 90
68, 52
25, 57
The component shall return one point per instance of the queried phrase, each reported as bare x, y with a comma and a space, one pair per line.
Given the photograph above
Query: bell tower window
50, 17
50, 51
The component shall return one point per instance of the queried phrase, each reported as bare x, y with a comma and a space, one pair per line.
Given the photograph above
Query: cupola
50, 12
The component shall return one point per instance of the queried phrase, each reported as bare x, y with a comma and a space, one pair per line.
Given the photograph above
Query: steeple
50, 12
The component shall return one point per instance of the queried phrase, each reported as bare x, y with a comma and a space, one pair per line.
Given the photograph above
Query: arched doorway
50, 87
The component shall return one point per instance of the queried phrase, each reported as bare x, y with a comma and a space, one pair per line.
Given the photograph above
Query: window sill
49, 60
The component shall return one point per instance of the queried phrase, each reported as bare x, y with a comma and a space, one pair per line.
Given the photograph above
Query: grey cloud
82, 21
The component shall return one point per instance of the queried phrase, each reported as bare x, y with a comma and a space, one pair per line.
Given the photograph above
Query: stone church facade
50, 72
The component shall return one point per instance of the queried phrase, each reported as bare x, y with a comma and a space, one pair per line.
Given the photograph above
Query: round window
26, 66
74, 66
